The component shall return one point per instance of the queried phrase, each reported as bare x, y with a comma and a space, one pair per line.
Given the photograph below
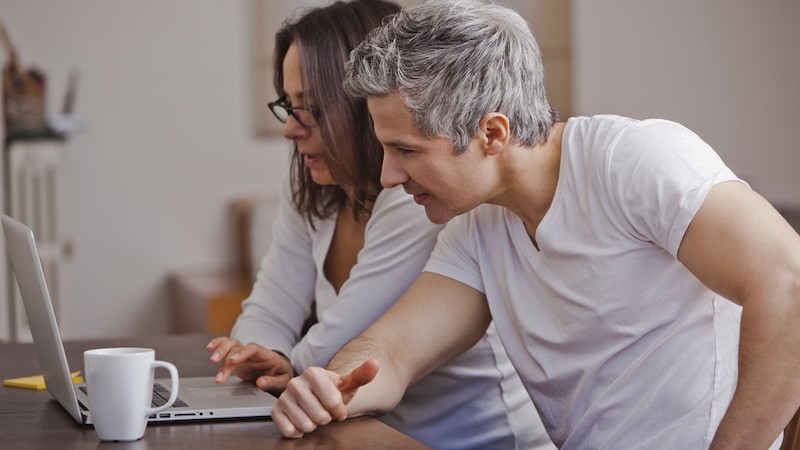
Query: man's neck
531, 179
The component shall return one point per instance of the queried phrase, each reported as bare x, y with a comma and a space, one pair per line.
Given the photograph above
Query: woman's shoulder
394, 208
393, 199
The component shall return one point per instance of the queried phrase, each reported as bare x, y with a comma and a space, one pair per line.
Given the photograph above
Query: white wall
166, 88
728, 69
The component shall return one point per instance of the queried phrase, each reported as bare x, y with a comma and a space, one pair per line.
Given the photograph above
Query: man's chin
438, 217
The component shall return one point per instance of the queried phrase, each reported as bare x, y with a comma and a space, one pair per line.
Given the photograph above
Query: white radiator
33, 198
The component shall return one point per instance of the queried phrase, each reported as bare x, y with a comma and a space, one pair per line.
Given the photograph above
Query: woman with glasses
345, 250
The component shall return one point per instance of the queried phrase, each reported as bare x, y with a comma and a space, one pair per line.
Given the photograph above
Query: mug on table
119, 383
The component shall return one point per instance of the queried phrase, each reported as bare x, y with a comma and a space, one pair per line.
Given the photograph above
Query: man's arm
739, 246
435, 321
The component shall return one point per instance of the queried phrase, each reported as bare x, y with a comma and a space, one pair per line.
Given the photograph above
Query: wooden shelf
208, 302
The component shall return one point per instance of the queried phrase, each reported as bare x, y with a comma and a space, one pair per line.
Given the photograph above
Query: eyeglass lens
282, 111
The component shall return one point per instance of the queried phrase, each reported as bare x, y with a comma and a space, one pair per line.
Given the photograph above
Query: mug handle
173, 388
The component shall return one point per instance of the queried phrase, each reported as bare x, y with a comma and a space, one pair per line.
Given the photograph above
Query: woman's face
308, 141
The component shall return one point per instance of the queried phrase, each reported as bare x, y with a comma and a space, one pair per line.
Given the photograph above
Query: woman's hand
269, 370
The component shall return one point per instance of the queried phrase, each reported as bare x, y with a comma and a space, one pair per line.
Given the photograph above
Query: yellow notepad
37, 381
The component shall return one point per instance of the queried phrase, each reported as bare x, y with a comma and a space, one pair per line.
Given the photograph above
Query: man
646, 296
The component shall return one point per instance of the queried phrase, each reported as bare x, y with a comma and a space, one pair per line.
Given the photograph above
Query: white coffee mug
119, 383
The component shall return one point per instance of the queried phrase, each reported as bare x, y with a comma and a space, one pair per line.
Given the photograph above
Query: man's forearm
768, 389
380, 395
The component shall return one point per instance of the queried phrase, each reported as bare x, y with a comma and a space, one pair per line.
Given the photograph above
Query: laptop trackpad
203, 393
220, 392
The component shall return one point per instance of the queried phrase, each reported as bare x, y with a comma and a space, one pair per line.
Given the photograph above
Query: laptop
200, 397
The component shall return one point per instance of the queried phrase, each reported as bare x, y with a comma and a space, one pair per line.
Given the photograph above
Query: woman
346, 249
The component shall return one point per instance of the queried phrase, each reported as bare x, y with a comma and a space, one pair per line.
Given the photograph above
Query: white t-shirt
618, 344
475, 401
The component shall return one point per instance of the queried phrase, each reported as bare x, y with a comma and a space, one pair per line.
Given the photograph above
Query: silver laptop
200, 397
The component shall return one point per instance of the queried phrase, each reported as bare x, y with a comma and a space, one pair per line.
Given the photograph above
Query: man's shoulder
601, 121
611, 127
599, 128
394, 208
597, 138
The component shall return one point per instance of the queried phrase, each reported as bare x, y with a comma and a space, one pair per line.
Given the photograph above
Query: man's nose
391, 173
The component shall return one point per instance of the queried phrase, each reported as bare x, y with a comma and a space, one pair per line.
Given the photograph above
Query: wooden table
32, 420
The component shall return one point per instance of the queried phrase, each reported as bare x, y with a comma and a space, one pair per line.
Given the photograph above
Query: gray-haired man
604, 248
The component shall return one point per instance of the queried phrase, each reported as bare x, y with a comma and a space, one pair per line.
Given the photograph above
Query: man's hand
269, 370
318, 396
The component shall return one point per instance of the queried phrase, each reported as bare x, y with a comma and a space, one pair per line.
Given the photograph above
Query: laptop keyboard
160, 396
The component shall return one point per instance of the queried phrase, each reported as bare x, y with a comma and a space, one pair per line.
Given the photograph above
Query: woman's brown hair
324, 38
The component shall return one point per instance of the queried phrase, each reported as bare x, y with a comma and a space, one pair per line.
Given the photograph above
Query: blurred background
160, 186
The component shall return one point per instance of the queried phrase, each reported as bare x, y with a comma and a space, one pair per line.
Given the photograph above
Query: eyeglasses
304, 115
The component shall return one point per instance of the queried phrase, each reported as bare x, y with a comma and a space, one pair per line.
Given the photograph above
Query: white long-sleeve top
474, 401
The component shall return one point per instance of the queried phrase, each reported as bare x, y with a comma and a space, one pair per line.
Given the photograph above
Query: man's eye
405, 151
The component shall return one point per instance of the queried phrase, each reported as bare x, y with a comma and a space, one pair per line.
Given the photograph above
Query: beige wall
728, 69
551, 24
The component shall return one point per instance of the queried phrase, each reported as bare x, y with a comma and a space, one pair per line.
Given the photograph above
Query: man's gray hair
452, 62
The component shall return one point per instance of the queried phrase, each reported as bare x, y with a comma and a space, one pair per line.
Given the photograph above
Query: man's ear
494, 132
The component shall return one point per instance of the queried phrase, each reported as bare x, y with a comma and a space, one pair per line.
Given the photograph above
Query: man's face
428, 168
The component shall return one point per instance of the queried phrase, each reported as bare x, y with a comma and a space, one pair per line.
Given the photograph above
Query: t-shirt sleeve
455, 253
658, 174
